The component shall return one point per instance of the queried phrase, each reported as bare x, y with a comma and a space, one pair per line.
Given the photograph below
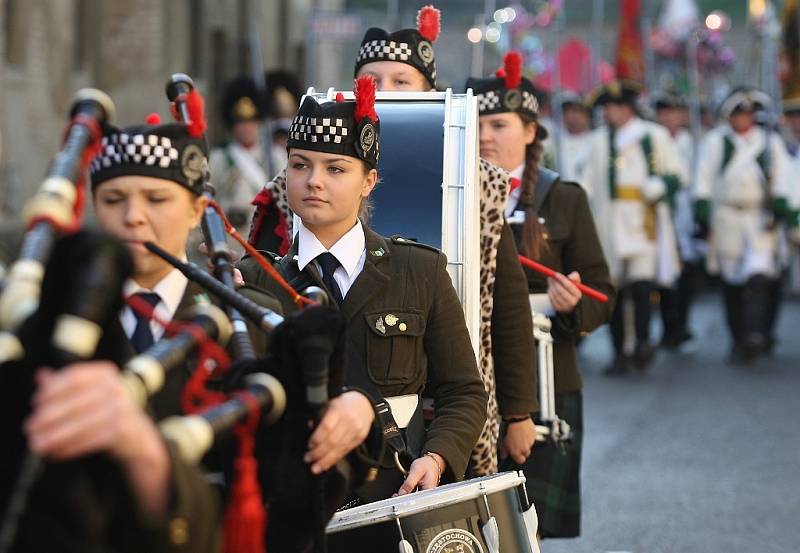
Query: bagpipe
60, 304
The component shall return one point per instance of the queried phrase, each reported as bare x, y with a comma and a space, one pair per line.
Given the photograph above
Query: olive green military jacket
572, 244
406, 333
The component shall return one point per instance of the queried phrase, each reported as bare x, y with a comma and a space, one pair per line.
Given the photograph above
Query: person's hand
84, 409
344, 426
424, 474
238, 279
518, 440
563, 293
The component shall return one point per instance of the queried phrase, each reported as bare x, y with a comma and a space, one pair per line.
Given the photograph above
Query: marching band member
406, 330
504, 355
146, 185
633, 172
744, 195
553, 225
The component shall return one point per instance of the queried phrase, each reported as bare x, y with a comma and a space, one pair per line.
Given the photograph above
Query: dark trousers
639, 293
676, 301
752, 311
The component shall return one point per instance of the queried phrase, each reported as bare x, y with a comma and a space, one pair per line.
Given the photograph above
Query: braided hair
533, 241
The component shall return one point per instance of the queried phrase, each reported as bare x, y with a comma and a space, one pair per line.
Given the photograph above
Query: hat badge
425, 51
245, 108
193, 163
512, 98
367, 138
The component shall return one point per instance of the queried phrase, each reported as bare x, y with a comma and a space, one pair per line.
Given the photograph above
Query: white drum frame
460, 191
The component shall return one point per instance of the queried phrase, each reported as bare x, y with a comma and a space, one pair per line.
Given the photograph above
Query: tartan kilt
553, 475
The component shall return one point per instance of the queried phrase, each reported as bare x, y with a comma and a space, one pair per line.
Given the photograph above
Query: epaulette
396, 239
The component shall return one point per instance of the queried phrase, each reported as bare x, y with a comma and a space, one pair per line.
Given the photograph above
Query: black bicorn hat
340, 127
508, 91
242, 101
745, 98
410, 46
616, 92
165, 151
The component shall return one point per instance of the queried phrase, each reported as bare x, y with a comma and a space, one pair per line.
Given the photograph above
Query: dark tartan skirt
553, 474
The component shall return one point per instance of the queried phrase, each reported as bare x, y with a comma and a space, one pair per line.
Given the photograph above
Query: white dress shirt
170, 289
350, 250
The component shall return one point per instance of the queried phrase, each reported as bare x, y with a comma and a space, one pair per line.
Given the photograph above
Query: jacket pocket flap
389, 322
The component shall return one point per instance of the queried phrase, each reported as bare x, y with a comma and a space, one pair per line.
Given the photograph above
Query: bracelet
435, 460
518, 419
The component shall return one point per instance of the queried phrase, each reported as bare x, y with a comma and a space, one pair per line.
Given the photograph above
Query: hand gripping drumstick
548, 272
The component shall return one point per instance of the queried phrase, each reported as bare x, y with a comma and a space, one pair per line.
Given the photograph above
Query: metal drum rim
421, 502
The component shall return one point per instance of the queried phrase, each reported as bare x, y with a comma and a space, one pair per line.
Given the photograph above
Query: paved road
696, 455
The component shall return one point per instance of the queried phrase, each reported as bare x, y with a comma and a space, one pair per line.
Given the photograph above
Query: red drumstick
548, 272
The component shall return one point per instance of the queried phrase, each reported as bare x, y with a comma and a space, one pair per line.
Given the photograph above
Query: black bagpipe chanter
60, 299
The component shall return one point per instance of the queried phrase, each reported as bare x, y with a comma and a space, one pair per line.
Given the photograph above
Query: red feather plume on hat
429, 23
364, 93
512, 64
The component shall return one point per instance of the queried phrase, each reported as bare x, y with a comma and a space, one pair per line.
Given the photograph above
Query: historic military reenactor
671, 112
553, 225
405, 327
633, 172
575, 137
744, 195
239, 167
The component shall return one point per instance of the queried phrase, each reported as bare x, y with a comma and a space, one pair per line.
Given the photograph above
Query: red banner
630, 48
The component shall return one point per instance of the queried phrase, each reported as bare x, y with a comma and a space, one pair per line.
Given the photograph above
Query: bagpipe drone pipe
61, 305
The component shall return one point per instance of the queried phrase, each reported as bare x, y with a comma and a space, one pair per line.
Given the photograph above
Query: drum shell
421, 529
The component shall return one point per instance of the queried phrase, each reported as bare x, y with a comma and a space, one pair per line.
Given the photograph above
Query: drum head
408, 198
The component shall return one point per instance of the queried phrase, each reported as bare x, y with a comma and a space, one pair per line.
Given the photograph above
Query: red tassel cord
429, 23
245, 521
260, 259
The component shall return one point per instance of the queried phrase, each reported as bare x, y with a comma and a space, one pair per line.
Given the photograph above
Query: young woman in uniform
552, 225
405, 328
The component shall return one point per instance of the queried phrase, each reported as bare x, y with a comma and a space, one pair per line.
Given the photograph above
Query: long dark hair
533, 240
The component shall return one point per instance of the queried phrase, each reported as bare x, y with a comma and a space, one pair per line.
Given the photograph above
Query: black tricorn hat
172, 151
410, 46
508, 91
242, 101
340, 127
616, 92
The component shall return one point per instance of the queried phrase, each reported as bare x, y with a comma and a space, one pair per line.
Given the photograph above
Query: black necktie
329, 263
142, 337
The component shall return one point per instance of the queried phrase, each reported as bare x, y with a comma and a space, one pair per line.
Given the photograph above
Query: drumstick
548, 272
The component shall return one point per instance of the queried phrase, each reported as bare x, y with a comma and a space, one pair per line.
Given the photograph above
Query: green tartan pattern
553, 475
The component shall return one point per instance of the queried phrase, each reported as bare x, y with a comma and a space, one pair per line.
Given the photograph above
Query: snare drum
484, 515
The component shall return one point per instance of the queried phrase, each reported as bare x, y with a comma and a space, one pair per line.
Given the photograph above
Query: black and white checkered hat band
384, 50
126, 149
491, 101
318, 129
